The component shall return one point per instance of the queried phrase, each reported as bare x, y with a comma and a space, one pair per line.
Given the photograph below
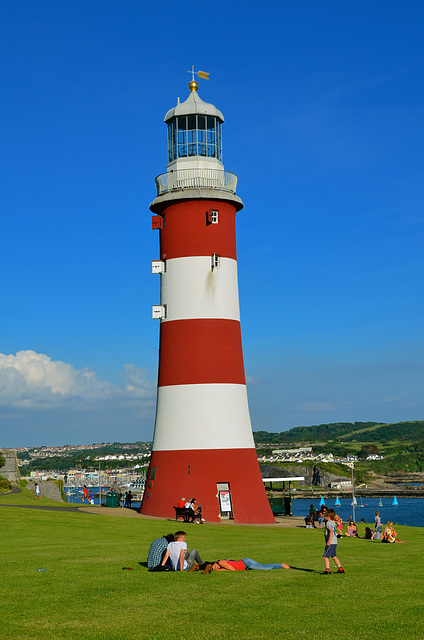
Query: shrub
4, 484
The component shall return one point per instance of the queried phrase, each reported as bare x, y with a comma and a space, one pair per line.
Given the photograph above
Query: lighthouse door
225, 504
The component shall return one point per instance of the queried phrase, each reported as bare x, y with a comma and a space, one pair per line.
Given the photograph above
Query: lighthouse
203, 443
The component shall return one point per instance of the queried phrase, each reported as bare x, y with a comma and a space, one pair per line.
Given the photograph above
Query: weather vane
201, 74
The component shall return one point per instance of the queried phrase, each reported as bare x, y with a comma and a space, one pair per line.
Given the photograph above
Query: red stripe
200, 351
195, 474
187, 233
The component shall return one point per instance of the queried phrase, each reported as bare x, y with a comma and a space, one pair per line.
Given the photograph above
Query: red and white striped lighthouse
203, 444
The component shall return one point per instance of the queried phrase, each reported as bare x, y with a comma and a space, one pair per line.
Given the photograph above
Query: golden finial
193, 86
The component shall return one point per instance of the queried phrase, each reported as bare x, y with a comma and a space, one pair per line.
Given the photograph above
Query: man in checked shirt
157, 550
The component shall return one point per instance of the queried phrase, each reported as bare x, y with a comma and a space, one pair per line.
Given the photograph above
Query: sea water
409, 512
74, 496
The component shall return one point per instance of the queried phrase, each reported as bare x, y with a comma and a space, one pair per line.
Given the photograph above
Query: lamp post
353, 493
100, 488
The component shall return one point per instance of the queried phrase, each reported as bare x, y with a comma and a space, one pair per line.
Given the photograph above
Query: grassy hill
347, 432
401, 443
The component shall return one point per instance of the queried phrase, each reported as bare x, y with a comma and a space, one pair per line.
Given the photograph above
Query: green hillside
347, 432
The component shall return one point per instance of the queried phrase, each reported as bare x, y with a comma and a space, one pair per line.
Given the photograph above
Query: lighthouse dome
194, 105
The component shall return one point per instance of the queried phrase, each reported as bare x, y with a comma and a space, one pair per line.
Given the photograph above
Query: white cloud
136, 381
30, 379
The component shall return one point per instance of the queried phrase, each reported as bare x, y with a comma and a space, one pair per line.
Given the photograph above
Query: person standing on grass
37, 494
309, 519
181, 559
330, 535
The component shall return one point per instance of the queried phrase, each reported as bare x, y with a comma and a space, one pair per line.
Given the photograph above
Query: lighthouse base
226, 482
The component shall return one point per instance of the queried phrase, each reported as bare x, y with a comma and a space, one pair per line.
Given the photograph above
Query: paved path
283, 521
40, 506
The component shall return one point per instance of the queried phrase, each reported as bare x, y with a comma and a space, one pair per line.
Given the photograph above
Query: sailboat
380, 504
395, 503
322, 501
337, 503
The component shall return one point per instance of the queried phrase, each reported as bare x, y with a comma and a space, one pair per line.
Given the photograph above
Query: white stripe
202, 416
191, 289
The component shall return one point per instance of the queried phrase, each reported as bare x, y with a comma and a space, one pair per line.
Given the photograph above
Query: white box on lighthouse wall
158, 312
158, 266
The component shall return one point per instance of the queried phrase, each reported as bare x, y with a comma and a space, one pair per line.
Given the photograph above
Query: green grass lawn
85, 594
27, 497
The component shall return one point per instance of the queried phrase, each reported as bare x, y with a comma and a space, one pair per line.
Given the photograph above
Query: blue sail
337, 503
322, 501
395, 502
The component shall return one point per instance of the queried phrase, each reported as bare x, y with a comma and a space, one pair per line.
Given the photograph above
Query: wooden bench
186, 514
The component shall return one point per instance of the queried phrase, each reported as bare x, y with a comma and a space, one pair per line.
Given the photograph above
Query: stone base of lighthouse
201, 474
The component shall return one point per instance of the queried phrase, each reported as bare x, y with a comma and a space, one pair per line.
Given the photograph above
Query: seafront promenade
284, 521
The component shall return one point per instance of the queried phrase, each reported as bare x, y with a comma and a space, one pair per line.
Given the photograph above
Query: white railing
196, 179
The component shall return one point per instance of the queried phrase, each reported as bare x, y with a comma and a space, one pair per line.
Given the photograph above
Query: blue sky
323, 106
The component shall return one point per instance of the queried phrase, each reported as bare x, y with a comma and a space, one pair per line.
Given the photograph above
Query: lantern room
194, 133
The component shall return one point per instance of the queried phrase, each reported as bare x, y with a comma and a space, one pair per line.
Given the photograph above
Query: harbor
74, 494
409, 511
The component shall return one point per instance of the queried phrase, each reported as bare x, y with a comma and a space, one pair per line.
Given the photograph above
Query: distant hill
346, 431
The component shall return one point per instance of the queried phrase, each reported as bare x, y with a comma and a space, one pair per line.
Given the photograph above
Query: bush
4, 484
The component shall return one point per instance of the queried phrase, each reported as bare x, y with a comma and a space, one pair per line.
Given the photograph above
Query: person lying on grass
242, 565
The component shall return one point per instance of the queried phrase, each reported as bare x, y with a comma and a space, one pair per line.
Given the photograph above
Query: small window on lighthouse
213, 216
152, 473
216, 261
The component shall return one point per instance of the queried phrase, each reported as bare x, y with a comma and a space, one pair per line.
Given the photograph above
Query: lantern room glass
194, 135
